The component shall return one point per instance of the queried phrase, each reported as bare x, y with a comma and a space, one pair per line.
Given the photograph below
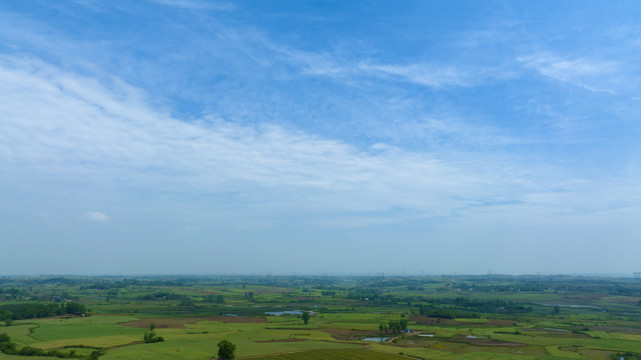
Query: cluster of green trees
106, 284
162, 296
469, 306
395, 327
96, 354
219, 299
151, 336
8, 347
447, 313
38, 310
364, 294
12, 292
184, 299
625, 291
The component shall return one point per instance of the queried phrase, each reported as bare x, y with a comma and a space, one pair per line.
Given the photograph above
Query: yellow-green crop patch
96, 341
16, 357
558, 351
333, 355
76, 329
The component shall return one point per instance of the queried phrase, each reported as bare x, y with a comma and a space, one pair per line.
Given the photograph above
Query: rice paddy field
497, 317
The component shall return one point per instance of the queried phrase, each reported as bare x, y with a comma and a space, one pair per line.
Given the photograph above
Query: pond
287, 312
377, 339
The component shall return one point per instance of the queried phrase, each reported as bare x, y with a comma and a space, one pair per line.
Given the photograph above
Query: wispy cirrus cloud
78, 129
87, 136
595, 76
426, 74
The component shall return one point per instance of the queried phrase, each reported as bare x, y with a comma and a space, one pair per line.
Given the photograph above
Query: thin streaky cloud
422, 74
590, 75
81, 128
425, 74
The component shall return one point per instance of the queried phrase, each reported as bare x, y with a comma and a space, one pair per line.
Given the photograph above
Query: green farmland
498, 317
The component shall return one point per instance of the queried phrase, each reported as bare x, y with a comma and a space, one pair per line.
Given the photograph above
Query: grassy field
505, 318
333, 354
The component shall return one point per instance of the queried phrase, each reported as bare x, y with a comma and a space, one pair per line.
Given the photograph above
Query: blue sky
341, 137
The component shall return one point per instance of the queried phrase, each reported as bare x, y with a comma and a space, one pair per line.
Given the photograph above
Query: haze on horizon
202, 137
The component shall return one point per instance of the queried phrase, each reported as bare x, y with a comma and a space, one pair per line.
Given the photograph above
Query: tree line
435, 306
10, 348
39, 310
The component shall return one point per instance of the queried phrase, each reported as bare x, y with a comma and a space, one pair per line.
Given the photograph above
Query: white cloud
426, 74
96, 216
311, 63
90, 137
590, 75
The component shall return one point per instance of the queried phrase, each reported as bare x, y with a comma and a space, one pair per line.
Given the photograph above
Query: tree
383, 327
96, 354
75, 308
6, 346
305, 317
395, 326
226, 350
150, 338
557, 309
186, 302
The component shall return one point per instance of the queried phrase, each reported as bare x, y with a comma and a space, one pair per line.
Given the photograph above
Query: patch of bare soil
345, 334
489, 323
558, 334
484, 342
617, 329
64, 316
179, 323
491, 342
431, 320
